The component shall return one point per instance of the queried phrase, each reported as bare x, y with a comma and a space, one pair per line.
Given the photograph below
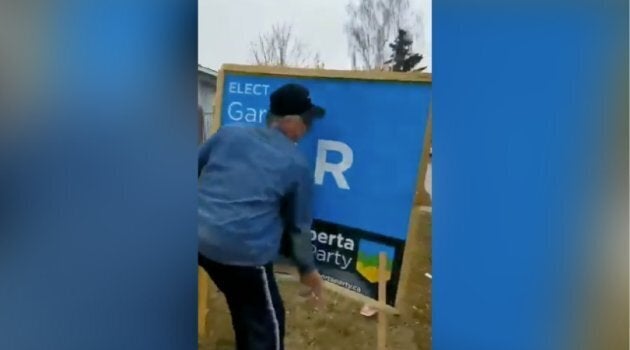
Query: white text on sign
322, 166
249, 89
238, 112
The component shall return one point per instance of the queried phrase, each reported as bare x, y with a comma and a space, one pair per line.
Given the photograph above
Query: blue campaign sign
365, 155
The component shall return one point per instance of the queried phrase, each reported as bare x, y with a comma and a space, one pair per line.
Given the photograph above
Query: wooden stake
412, 244
202, 302
382, 300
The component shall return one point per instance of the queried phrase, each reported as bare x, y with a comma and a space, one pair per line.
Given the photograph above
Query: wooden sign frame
408, 77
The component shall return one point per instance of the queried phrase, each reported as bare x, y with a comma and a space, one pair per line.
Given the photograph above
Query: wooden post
412, 244
382, 300
202, 302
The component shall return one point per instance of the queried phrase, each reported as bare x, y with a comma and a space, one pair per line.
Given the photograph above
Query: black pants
254, 301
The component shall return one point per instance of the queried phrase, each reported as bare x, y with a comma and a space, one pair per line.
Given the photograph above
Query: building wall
206, 91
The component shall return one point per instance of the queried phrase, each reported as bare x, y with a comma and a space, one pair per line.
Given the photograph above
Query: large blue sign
365, 155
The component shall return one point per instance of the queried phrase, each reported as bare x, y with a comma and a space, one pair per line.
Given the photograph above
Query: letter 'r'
336, 169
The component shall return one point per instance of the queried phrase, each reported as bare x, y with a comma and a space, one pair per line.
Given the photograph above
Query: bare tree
280, 47
370, 25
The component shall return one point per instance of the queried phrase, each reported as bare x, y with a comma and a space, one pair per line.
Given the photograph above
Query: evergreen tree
402, 59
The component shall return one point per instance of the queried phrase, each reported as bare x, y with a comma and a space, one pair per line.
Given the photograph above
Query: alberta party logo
368, 260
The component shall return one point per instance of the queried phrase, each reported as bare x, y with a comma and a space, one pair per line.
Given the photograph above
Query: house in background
206, 90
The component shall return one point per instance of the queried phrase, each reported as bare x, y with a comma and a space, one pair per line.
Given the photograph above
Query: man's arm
299, 220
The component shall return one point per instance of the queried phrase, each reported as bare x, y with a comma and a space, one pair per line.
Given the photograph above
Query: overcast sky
226, 28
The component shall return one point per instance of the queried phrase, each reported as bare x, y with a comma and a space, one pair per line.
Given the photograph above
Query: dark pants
254, 301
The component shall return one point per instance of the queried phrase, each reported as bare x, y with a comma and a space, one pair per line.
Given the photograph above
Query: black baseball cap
294, 99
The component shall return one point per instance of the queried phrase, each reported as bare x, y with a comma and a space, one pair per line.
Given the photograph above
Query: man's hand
313, 280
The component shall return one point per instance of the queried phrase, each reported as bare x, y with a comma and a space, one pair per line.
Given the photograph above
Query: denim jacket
254, 186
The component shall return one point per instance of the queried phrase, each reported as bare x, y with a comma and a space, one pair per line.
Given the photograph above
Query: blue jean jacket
254, 187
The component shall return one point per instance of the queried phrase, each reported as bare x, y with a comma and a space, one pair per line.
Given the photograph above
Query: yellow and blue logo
368, 260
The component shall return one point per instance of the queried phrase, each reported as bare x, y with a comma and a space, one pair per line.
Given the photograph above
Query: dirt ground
338, 325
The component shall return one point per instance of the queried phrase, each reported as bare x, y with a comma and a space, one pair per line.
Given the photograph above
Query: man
255, 193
